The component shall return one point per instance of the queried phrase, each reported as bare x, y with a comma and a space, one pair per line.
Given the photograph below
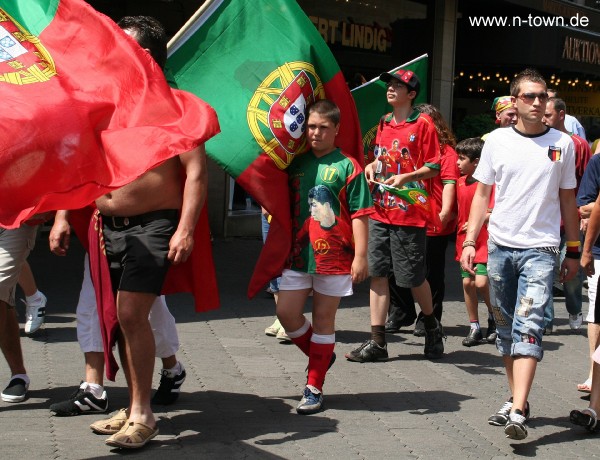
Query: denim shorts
520, 290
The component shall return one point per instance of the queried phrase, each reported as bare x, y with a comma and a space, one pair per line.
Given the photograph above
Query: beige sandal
110, 425
132, 436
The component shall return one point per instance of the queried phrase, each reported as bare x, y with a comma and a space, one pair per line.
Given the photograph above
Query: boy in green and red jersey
330, 207
397, 229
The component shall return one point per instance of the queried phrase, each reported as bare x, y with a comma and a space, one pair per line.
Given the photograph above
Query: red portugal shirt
464, 194
449, 174
326, 194
401, 148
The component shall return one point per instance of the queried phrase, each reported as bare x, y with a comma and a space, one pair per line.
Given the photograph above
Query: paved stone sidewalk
242, 387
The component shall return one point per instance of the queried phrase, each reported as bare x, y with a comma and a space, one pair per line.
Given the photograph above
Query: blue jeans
573, 290
274, 283
520, 290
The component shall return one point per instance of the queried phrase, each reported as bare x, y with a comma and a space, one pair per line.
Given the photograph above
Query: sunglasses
529, 98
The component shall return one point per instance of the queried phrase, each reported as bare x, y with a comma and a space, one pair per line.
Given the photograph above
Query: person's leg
293, 293
137, 343
422, 295
503, 296
483, 287
474, 337
402, 310
436, 271
323, 340
35, 301
10, 341
27, 281
471, 299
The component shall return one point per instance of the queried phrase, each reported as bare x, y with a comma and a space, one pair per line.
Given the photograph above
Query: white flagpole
189, 24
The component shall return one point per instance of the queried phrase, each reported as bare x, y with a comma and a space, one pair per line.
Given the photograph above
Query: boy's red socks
318, 363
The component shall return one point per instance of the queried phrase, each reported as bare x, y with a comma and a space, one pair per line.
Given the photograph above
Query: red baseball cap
408, 77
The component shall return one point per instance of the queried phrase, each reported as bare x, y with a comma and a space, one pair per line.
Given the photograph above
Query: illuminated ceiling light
479, 74
461, 74
470, 77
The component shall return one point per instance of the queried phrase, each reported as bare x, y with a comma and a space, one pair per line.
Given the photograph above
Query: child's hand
466, 259
360, 269
463, 229
397, 181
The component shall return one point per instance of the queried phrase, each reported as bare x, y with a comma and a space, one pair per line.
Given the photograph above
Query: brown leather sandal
132, 436
110, 425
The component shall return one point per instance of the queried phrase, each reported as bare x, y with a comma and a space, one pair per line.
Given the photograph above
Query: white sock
93, 388
34, 299
475, 325
175, 370
21, 376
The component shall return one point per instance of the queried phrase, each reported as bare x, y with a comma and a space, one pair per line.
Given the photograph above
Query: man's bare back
159, 188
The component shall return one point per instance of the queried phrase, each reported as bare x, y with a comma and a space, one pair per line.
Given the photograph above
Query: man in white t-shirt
532, 168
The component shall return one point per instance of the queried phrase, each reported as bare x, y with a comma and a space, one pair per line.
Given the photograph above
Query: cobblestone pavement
242, 387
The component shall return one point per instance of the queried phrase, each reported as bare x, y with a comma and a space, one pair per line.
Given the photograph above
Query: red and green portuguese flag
85, 109
259, 63
371, 102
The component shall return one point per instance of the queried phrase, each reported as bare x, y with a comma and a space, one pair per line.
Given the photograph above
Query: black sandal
586, 418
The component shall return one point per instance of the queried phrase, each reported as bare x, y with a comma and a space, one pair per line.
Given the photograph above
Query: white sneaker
273, 329
575, 321
283, 337
35, 315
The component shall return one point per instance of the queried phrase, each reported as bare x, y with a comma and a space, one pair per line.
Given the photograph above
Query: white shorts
15, 245
88, 325
332, 285
592, 291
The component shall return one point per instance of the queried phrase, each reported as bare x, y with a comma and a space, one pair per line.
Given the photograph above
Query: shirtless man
147, 224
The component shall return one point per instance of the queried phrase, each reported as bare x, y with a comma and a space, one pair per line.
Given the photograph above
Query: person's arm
568, 211
60, 234
593, 230
424, 172
194, 195
448, 200
477, 216
360, 267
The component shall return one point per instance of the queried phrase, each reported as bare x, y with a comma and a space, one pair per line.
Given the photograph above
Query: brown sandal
132, 436
110, 425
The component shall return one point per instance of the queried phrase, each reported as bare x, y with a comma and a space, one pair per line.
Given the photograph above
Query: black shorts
399, 249
137, 249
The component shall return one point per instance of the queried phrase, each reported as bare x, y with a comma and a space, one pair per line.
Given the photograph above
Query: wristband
468, 243
573, 244
573, 255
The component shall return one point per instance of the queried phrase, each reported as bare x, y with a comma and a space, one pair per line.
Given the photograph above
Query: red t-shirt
464, 195
333, 248
404, 147
449, 173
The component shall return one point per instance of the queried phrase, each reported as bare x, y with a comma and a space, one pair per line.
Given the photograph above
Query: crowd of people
391, 221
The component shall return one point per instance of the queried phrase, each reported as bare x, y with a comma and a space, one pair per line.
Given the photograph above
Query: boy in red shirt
469, 152
331, 203
396, 228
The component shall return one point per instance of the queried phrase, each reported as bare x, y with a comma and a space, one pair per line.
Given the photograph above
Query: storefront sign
352, 35
582, 104
579, 50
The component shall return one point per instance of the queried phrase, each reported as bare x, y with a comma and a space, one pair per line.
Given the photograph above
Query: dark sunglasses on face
529, 98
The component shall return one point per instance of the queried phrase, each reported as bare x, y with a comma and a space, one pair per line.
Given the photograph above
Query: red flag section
86, 110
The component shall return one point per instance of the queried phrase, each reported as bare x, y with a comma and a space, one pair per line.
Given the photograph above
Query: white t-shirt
527, 208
